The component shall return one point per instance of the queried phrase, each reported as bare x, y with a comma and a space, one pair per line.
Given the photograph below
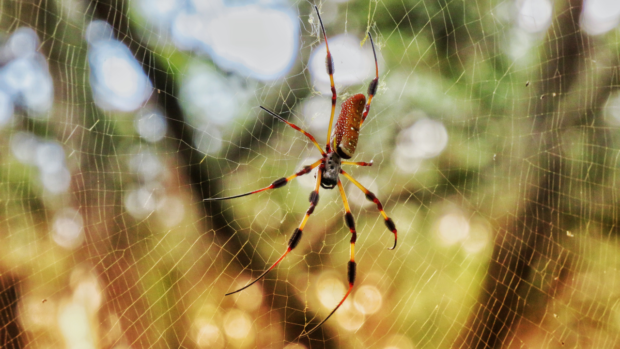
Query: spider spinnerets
341, 145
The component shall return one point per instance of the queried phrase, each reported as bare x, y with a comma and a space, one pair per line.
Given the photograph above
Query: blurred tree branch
203, 185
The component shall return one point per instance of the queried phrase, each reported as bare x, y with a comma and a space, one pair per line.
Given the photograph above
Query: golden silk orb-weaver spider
341, 144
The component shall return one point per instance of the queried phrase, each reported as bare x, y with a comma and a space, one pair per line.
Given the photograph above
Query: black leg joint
279, 183
314, 198
329, 64
389, 223
292, 243
304, 170
351, 272
372, 88
371, 197
348, 218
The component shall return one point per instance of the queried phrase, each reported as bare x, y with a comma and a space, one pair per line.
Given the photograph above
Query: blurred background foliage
494, 141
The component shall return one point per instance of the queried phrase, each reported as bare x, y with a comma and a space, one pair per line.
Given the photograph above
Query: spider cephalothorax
331, 171
341, 144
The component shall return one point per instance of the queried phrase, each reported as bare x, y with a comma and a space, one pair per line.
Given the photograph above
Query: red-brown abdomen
347, 130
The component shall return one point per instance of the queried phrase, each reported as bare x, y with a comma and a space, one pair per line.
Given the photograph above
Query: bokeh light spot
368, 299
252, 40
398, 341
251, 298
453, 228
208, 141
88, 293
295, 346
350, 318
28, 82
146, 165
68, 228
258, 40
50, 157
35, 314
478, 238
534, 15
75, 326
209, 336
237, 324
353, 64
424, 139
210, 96
116, 77
24, 147
329, 289
23, 42
56, 182
316, 112
170, 211
150, 125
140, 203
600, 16
119, 76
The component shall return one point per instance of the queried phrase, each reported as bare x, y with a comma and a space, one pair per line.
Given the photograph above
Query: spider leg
329, 65
348, 218
372, 88
296, 128
278, 183
389, 223
344, 162
296, 237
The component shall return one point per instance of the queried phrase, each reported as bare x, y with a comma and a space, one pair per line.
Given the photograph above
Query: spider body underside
341, 144
331, 171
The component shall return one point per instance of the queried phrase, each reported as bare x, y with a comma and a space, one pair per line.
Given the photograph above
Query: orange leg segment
344, 162
295, 238
296, 128
278, 183
389, 223
351, 268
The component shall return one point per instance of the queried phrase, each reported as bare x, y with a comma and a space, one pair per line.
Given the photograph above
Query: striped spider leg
341, 145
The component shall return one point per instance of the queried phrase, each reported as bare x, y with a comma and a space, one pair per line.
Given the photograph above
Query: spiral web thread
494, 144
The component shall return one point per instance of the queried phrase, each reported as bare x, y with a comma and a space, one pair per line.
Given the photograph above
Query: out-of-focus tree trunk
11, 335
216, 217
510, 296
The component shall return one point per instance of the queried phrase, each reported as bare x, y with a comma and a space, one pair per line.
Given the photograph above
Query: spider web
494, 140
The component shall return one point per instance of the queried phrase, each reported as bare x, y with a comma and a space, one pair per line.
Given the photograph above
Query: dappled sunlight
154, 160
368, 299
453, 227
238, 326
68, 231
349, 317
209, 335
329, 289
600, 16
353, 65
116, 77
24, 76
534, 16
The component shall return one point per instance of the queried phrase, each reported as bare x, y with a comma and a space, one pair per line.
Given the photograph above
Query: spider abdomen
347, 130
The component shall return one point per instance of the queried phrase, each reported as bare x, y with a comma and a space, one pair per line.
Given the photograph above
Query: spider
340, 147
